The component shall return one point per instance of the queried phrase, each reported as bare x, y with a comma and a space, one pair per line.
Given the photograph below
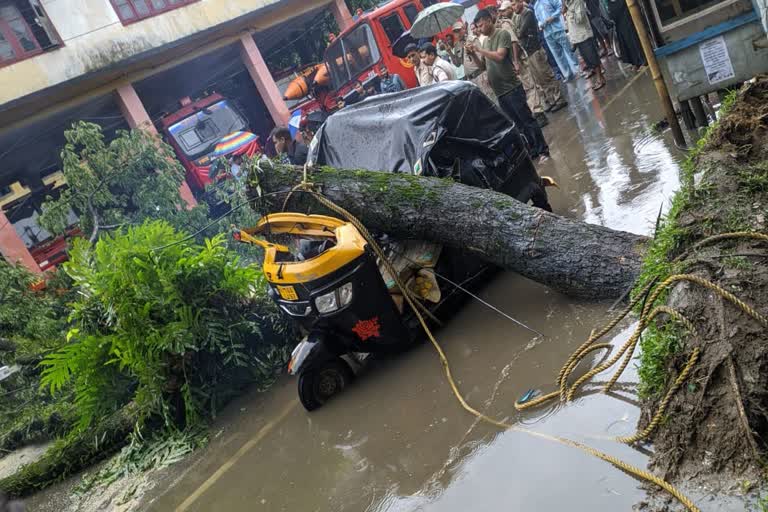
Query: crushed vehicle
448, 130
325, 275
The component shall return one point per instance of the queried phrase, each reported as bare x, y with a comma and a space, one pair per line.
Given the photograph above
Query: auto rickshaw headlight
327, 303
335, 300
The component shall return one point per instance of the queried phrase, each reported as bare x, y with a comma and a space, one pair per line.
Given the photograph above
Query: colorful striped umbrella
231, 143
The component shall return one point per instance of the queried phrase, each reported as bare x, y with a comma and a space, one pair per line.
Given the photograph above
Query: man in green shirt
495, 55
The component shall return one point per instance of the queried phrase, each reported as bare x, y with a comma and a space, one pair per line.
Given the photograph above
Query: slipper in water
528, 395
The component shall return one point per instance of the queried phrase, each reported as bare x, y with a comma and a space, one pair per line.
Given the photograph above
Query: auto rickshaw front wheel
322, 381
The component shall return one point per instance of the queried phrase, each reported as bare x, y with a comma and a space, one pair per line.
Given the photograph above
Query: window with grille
134, 10
25, 31
411, 12
670, 11
393, 27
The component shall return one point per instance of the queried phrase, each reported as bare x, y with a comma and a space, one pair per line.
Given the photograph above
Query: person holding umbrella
495, 56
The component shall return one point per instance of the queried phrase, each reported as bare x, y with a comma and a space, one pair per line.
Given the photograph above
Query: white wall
94, 38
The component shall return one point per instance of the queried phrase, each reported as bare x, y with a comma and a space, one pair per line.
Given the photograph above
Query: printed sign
717, 61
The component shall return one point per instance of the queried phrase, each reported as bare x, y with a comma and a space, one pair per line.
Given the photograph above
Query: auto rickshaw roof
395, 132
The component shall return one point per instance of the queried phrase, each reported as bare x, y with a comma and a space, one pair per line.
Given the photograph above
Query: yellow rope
567, 394
644, 475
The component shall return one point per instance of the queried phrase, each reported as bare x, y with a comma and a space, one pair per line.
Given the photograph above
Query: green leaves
173, 330
124, 182
34, 320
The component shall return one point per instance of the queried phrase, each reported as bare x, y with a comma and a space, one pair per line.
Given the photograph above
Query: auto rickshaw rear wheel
319, 383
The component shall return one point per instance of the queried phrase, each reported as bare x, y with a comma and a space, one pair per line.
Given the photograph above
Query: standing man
527, 29
532, 95
495, 55
441, 69
472, 72
422, 71
582, 37
549, 14
390, 83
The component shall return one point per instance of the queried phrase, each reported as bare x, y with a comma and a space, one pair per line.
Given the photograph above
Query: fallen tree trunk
578, 259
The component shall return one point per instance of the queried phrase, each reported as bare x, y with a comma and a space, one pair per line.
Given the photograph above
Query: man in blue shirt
390, 83
549, 15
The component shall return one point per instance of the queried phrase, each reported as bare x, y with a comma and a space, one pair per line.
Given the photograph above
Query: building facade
123, 63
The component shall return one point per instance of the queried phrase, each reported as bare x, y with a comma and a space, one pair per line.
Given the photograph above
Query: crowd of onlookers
518, 54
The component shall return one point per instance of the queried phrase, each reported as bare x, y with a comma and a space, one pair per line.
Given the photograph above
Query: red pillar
136, 116
265, 84
12, 246
341, 13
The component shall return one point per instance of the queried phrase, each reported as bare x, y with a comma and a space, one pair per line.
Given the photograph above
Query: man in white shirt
421, 70
442, 70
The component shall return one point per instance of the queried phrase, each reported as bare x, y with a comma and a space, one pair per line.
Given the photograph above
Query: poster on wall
717, 61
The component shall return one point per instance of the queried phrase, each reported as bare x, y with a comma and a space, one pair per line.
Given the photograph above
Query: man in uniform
526, 27
422, 71
441, 69
535, 103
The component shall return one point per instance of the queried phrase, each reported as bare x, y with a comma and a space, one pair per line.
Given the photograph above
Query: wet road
398, 441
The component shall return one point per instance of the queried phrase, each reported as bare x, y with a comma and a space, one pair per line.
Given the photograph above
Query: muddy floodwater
397, 440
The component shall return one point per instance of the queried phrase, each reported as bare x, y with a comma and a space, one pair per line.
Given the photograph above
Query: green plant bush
31, 320
170, 325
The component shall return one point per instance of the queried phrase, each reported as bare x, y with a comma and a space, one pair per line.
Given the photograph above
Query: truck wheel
319, 383
535, 194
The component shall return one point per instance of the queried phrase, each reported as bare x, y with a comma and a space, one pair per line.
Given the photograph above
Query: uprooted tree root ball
716, 427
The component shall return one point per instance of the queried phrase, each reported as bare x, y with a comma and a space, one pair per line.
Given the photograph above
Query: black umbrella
398, 48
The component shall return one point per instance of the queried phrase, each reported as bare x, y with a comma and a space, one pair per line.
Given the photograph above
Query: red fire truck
360, 52
204, 129
199, 130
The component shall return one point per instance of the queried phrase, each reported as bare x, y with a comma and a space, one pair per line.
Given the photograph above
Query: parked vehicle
360, 52
324, 274
23, 208
198, 127
449, 129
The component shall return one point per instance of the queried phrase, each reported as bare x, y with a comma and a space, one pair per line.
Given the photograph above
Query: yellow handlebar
248, 239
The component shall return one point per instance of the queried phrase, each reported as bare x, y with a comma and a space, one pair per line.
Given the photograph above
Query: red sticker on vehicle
367, 328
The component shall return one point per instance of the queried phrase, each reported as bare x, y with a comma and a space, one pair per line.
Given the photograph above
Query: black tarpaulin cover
446, 129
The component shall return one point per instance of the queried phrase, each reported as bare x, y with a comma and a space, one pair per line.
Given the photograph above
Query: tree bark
578, 259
